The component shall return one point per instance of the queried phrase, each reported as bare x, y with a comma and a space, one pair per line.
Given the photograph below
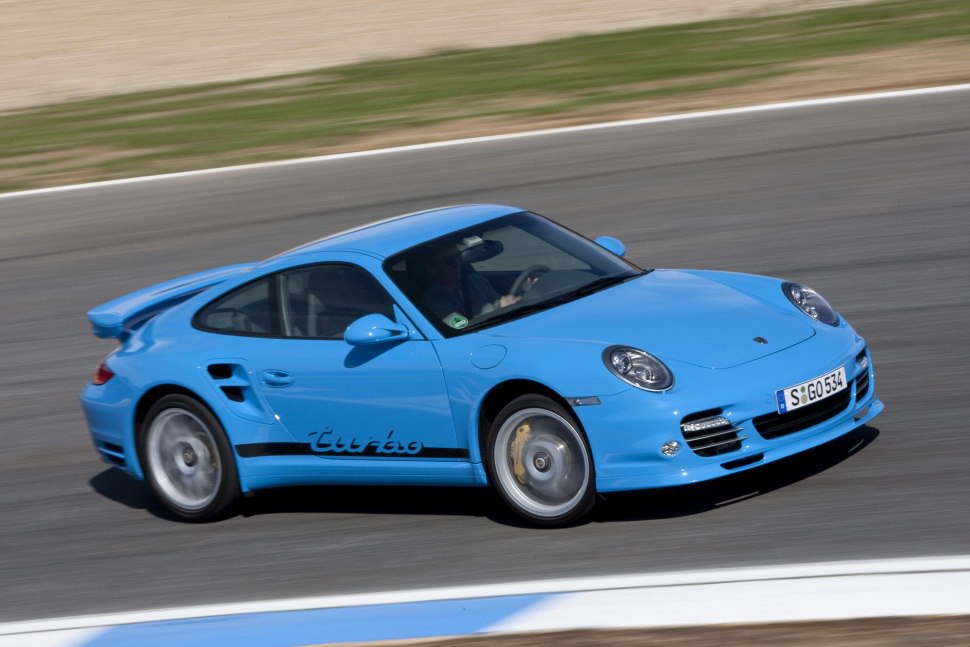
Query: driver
453, 294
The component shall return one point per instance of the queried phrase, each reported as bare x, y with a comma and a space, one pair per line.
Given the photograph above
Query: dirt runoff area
56, 50
941, 631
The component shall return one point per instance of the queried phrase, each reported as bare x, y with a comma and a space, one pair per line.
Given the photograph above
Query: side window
249, 310
320, 301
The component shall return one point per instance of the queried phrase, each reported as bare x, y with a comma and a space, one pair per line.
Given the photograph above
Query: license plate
806, 393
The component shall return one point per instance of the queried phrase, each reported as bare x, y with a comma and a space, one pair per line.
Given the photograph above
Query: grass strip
331, 108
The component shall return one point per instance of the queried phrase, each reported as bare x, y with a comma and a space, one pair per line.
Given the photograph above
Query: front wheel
187, 461
539, 462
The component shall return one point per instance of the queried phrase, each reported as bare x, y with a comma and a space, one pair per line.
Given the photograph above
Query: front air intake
862, 381
774, 425
710, 434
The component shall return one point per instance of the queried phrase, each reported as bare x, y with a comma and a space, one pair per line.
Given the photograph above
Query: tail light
102, 374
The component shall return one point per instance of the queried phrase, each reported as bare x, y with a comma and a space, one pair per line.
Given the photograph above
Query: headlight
638, 368
811, 303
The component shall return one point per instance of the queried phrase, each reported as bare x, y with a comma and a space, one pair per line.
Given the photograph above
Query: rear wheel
187, 460
540, 463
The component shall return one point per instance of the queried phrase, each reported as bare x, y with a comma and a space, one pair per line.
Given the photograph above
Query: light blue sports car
473, 345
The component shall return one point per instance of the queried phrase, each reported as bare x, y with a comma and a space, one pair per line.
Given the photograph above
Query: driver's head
443, 265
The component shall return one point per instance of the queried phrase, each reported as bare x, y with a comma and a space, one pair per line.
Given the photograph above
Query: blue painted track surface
350, 624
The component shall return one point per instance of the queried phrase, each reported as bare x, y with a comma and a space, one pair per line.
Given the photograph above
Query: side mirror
612, 244
371, 330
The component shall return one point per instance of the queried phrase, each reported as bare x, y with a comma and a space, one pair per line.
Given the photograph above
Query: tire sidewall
228, 487
583, 505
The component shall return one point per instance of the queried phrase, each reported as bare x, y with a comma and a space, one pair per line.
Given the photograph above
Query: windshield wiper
597, 285
513, 313
594, 286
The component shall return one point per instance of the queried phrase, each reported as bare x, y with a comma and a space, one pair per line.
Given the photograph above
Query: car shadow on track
665, 503
114, 484
452, 501
402, 500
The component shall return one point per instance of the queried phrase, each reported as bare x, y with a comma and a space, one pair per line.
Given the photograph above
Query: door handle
274, 377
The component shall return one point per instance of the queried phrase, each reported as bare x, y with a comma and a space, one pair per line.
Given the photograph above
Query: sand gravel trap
52, 50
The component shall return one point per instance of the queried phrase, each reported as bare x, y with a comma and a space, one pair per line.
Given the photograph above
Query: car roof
388, 237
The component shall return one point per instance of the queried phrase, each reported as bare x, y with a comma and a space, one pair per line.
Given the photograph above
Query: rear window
249, 310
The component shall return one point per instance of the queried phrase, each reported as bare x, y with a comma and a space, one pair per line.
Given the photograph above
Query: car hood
675, 315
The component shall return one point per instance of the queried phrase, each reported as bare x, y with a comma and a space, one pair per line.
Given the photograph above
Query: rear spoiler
117, 318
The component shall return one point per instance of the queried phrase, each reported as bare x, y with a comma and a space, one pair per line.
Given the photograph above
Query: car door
386, 401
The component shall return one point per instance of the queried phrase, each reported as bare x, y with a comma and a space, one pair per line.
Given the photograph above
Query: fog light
670, 448
863, 362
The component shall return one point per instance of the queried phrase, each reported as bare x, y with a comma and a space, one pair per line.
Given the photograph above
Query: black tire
539, 462
187, 460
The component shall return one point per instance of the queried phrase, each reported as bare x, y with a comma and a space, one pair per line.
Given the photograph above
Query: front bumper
626, 431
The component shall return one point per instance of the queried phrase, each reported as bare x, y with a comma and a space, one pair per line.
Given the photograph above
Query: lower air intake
774, 425
709, 434
862, 382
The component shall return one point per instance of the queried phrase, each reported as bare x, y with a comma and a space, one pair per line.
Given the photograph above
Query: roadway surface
867, 202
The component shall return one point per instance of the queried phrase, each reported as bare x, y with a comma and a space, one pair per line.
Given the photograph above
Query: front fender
475, 365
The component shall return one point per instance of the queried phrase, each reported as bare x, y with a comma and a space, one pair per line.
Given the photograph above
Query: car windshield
503, 269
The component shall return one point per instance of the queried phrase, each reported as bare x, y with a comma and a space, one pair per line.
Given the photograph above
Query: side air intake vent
234, 381
234, 393
220, 371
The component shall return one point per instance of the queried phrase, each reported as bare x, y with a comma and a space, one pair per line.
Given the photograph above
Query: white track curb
823, 591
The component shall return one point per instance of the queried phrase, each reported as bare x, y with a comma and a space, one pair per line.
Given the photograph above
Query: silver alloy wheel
541, 462
183, 459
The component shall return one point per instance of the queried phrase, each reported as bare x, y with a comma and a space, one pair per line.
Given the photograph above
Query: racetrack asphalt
867, 202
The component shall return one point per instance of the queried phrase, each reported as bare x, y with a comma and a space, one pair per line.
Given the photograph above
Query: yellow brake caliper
516, 449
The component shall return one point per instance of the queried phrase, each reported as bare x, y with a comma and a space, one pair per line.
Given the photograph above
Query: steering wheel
521, 284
